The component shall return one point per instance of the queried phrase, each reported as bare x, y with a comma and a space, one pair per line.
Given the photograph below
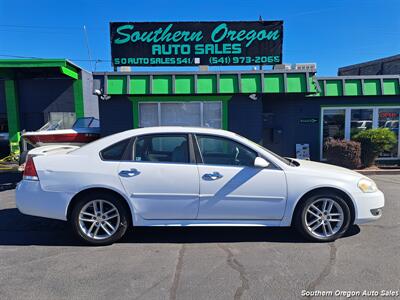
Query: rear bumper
369, 207
32, 200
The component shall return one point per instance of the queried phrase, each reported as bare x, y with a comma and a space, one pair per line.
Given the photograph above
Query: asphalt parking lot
41, 259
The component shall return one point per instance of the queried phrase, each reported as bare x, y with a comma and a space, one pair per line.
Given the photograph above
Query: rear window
115, 152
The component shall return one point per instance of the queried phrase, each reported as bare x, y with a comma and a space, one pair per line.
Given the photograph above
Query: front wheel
323, 218
99, 219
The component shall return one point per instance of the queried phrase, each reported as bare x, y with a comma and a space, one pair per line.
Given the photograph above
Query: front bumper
32, 200
369, 207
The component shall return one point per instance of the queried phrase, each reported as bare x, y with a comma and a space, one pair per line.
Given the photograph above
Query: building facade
279, 109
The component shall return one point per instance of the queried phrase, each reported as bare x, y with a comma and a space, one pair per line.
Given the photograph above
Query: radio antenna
87, 47
261, 20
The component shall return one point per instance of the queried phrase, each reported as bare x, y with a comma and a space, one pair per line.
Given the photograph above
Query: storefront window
212, 112
148, 114
345, 123
389, 118
180, 114
204, 114
333, 125
361, 119
64, 120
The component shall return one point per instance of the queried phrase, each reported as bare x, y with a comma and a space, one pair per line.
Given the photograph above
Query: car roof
111, 139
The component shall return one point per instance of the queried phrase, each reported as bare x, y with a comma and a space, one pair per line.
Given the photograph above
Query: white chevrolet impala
182, 176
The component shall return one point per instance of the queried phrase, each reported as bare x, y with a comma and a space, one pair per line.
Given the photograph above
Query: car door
231, 188
162, 179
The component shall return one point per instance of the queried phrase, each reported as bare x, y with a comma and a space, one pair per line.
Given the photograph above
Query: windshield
88, 122
282, 159
52, 125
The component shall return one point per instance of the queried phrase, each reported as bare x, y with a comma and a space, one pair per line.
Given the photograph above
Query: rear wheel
323, 218
99, 219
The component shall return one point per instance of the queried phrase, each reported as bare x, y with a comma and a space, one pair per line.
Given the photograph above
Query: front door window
221, 151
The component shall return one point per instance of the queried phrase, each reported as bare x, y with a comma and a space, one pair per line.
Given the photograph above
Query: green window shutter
296, 83
353, 87
372, 87
228, 83
251, 83
391, 87
184, 84
139, 85
162, 84
206, 84
273, 83
334, 88
116, 85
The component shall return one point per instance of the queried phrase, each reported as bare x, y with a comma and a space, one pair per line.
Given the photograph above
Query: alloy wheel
99, 219
324, 217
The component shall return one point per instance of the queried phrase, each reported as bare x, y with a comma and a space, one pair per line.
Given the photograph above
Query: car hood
325, 169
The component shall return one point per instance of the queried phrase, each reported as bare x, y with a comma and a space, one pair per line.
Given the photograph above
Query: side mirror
260, 162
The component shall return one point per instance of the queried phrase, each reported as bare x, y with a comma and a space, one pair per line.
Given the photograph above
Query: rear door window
115, 152
170, 148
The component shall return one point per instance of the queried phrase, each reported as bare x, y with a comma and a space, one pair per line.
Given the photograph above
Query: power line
35, 57
47, 27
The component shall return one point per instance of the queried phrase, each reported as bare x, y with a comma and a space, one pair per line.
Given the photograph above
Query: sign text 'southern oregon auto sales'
196, 43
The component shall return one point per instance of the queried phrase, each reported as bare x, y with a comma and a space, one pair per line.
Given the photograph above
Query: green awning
12, 68
371, 85
273, 82
185, 83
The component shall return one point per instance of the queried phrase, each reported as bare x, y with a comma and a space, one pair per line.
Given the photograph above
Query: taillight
30, 170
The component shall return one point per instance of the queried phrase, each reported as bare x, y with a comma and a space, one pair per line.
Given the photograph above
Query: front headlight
367, 185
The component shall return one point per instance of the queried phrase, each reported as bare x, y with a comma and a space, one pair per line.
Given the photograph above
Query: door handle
212, 176
129, 173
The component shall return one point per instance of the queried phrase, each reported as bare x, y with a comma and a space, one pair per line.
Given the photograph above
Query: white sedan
182, 176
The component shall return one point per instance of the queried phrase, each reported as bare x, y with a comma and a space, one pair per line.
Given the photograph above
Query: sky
331, 33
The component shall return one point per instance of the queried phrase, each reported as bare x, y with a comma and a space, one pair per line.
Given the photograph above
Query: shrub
373, 142
343, 153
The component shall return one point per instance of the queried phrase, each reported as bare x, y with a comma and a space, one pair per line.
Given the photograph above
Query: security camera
253, 97
105, 97
98, 92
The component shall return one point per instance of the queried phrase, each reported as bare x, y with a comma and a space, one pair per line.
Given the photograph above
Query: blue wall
37, 97
245, 117
116, 115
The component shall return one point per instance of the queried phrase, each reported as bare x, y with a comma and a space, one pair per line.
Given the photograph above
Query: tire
308, 218
92, 228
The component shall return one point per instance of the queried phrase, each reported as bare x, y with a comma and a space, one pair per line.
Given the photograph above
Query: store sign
196, 43
309, 120
388, 114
